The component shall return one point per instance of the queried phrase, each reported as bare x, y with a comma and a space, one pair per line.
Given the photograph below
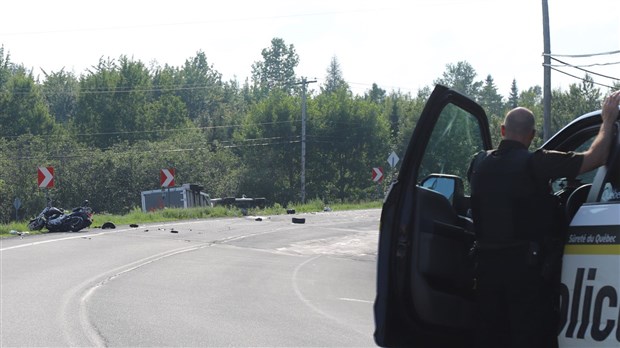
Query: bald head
519, 125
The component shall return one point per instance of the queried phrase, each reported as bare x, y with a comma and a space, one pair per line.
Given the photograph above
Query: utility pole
303, 84
547, 73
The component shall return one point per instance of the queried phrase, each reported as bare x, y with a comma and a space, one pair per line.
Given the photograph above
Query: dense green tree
355, 138
334, 80
167, 81
375, 94
411, 111
532, 98
461, 77
201, 90
269, 142
61, 91
276, 70
513, 98
22, 106
131, 99
490, 99
580, 99
5, 67
96, 112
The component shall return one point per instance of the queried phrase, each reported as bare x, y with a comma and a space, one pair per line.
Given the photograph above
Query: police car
425, 281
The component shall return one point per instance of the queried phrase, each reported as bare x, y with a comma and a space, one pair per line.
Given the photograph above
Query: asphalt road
226, 282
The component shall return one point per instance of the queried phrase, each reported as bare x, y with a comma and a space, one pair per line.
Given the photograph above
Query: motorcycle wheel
36, 224
77, 223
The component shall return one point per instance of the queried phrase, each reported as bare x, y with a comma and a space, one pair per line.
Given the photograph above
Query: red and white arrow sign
377, 174
166, 177
45, 177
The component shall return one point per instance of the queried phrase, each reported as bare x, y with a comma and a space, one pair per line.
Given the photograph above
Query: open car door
424, 272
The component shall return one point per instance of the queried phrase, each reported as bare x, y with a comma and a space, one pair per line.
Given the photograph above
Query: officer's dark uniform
514, 216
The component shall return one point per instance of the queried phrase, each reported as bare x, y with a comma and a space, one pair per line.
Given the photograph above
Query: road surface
226, 282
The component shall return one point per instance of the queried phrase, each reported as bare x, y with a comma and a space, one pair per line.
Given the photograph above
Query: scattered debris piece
258, 219
299, 220
146, 230
133, 225
174, 231
290, 211
14, 232
107, 225
327, 209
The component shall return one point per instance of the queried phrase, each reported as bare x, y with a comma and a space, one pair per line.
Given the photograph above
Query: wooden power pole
547, 73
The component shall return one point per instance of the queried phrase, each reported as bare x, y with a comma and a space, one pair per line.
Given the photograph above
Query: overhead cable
581, 55
585, 65
579, 78
588, 71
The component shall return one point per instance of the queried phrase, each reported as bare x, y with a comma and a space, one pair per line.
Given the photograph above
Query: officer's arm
596, 155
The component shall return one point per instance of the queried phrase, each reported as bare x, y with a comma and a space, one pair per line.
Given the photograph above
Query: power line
579, 78
263, 142
159, 130
95, 90
581, 55
588, 71
585, 65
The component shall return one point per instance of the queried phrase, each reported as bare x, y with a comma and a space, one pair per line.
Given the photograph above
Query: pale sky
398, 44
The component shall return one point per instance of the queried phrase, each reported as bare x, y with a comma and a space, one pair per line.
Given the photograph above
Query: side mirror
448, 186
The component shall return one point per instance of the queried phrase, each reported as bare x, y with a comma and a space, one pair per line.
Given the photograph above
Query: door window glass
611, 184
455, 140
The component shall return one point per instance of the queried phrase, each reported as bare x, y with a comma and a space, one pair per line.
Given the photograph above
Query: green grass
136, 216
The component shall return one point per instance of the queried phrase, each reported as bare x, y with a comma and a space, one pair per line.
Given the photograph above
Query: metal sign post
17, 203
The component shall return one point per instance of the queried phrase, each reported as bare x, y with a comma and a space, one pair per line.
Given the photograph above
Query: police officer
513, 214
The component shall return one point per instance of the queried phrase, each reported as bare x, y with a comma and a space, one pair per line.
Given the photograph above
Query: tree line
108, 131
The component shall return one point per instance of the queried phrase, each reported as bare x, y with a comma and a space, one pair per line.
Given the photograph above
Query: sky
398, 44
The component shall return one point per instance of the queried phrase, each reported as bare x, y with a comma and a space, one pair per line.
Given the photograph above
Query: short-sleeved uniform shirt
548, 164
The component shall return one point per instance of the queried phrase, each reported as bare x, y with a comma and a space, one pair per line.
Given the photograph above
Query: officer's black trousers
515, 303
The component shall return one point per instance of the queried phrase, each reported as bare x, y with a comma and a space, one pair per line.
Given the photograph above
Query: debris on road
299, 220
107, 225
18, 233
133, 225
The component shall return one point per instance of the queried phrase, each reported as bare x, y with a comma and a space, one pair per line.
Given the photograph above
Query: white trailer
186, 196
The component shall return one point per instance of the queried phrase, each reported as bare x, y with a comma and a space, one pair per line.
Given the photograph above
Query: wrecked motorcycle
58, 220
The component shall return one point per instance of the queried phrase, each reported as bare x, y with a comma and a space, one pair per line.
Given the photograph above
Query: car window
611, 183
455, 140
587, 177
581, 179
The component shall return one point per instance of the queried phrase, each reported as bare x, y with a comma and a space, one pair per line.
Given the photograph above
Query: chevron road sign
45, 177
166, 177
377, 174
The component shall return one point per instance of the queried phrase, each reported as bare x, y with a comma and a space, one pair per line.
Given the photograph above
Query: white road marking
355, 300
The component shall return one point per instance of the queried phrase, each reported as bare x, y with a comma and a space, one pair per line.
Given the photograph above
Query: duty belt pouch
533, 254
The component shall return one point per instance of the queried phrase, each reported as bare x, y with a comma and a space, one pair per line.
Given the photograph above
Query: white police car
425, 283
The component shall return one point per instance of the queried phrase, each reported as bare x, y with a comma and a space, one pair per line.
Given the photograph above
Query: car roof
590, 119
